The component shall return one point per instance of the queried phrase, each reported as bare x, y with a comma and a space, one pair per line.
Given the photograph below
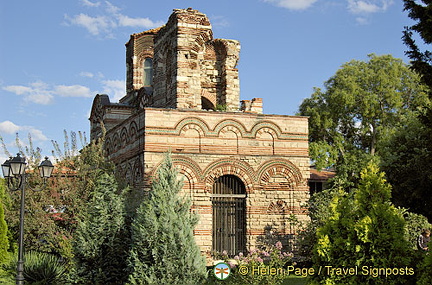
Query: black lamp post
14, 168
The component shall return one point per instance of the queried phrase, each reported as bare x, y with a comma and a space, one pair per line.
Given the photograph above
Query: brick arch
268, 127
280, 167
139, 65
232, 125
200, 41
189, 168
116, 143
192, 122
124, 136
229, 166
211, 97
192, 126
133, 130
108, 146
185, 166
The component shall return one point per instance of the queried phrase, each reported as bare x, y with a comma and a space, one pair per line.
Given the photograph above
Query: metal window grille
229, 215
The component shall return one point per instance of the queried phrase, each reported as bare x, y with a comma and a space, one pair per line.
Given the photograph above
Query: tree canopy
421, 60
365, 231
360, 107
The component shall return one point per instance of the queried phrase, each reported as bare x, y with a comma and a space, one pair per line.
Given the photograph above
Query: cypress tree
100, 241
163, 249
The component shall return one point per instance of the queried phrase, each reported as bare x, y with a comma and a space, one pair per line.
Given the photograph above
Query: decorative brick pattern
191, 71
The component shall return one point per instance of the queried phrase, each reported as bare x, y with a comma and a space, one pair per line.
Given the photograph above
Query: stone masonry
178, 76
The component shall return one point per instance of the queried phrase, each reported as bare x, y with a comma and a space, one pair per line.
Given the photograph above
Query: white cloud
90, 4
94, 25
368, 6
219, 21
115, 88
110, 8
86, 74
73, 91
293, 4
43, 98
110, 19
126, 21
17, 89
42, 93
37, 92
9, 127
362, 20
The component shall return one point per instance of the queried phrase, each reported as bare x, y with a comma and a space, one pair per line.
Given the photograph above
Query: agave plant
40, 268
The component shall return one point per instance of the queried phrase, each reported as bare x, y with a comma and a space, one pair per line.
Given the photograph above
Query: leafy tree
421, 60
52, 214
410, 159
4, 242
361, 106
425, 276
319, 213
407, 160
366, 232
100, 239
163, 246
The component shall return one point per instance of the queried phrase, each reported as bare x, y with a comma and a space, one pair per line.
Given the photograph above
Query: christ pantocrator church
245, 172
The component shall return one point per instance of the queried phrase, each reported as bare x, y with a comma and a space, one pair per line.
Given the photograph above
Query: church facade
245, 172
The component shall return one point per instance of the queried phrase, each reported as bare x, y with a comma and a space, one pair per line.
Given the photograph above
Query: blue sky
55, 56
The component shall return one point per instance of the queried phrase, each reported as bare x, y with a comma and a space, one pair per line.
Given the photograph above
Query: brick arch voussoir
266, 126
184, 166
124, 136
240, 169
281, 167
194, 123
133, 130
231, 125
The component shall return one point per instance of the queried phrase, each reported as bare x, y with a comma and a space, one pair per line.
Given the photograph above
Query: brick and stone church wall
269, 153
191, 72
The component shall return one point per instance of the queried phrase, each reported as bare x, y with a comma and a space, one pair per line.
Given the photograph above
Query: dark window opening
229, 215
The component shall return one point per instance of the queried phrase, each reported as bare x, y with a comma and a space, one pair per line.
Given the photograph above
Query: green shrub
365, 232
163, 246
39, 269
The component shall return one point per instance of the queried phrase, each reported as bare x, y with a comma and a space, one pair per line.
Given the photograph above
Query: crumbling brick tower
245, 172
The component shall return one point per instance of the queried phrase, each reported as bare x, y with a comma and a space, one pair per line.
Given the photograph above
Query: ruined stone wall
138, 48
188, 64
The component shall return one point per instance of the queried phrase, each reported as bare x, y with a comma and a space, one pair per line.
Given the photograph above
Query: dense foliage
101, 240
364, 232
163, 248
40, 269
360, 108
4, 241
421, 12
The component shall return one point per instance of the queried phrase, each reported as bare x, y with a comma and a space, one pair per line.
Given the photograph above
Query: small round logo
221, 271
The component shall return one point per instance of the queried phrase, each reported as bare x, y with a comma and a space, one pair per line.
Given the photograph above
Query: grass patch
295, 280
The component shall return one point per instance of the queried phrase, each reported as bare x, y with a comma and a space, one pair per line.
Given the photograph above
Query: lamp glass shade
46, 168
6, 169
17, 165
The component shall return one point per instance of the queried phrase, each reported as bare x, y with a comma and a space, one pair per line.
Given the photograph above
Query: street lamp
14, 168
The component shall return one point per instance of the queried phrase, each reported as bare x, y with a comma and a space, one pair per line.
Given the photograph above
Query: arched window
206, 104
229, 215
148, 72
